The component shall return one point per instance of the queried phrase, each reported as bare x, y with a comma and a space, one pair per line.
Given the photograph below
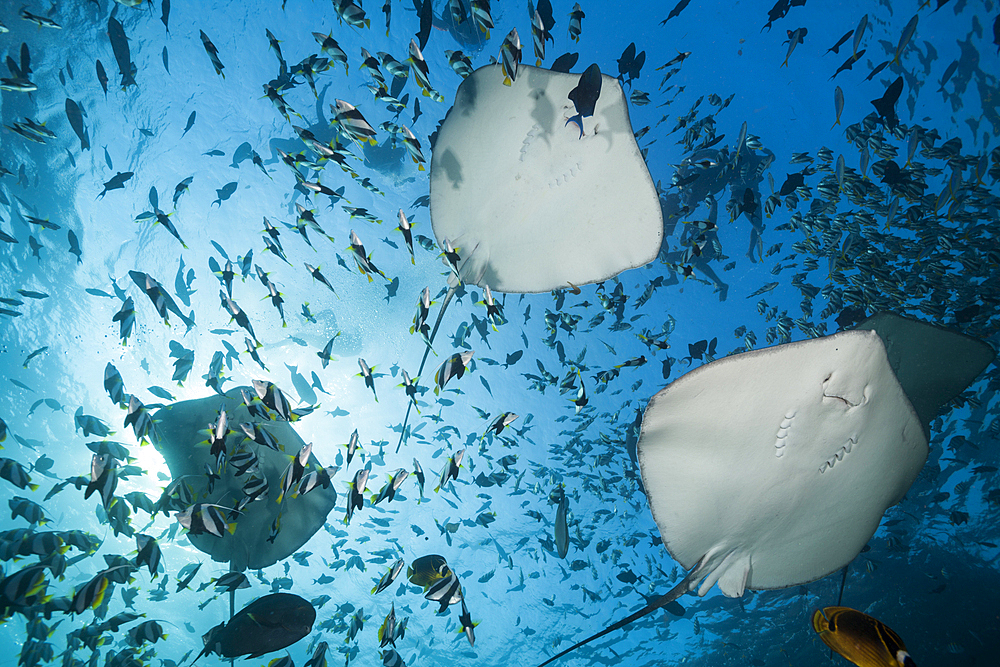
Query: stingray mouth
847, 400
839, 455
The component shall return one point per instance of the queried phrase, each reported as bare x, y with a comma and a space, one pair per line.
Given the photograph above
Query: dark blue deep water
722, 109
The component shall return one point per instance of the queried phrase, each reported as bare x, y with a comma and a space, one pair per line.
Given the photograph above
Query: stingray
183, 425
528, 203
531, 205
772, 468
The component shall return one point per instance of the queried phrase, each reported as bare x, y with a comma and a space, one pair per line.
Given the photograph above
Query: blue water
930, 571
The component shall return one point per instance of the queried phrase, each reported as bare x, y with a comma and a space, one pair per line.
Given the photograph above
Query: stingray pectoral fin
689, 583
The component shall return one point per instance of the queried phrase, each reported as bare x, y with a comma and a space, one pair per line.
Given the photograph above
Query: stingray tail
429, 341
840, 598
687, 584
843, 582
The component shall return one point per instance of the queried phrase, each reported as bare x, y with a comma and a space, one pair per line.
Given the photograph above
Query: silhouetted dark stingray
183, 425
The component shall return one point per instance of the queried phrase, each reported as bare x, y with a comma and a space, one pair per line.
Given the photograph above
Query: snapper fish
420, 319
139, 418
256, 432
500, 423
388, 491
510, 56
295, 470
217, 436
272, 397
40, 21
363, 260
481, 16
451, 469
149, 554
366, 373
420, 69
330, 47
460, 63
387, 632
351, 123
314, 271
453, 367
494, 311
147, 631
201, 518
351, 13
584, 96
33, 127
251, 348
103, 478
465, 618
356, 494
161, 300
232, 581
575, 22
539, 35
213, 53
410, 387
326, 354
406, 229
117, 182
445, 591
352, 446
412, 146
244, 462
389, 577
19, 84
322, 477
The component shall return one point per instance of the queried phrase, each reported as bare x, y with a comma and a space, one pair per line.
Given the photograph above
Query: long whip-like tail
840, 598
685, 585
427, 349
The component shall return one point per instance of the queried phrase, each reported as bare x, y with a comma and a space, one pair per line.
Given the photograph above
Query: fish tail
578, 120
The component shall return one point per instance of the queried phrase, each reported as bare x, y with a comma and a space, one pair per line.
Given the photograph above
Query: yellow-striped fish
865, 641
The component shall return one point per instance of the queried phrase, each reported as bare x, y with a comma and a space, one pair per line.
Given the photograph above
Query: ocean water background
930, 572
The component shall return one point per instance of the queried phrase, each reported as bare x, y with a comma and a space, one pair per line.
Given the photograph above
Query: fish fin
578, 121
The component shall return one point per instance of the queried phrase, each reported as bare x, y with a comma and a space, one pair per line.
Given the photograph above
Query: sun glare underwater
424, 332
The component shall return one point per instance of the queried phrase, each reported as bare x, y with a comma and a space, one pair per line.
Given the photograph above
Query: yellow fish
865, 641
425, 570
